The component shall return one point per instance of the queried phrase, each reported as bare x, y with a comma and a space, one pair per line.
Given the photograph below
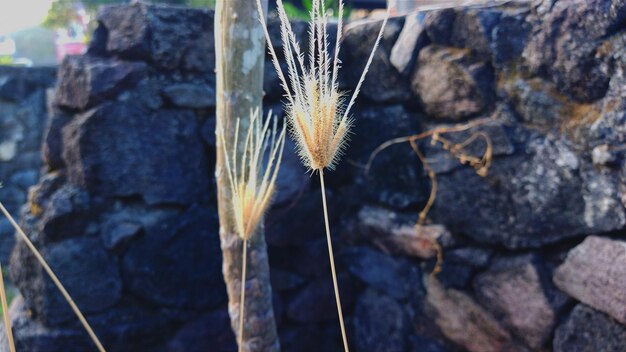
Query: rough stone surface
113, 162
396, 278
382, 83
177, 243
22, 117
512, 289
571, 45
450, 84
380, 323
95, 283
84, 81
168, 37
587, 330
463, 321
594, 273
129, 155
516, 193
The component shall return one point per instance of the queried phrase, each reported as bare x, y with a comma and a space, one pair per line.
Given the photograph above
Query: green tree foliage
63, 12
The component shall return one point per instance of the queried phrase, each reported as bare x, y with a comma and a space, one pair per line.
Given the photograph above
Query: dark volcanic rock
380, 323
595, 274
396, 278
209, 333
83, 267
587, 330
395, 177
463, 321
18, 83
189, 95
316, 301
383, 82
569, 42
168, 37
529, 199
179, 243
86, 81
158, 155
451, 84
512, 289
127, 327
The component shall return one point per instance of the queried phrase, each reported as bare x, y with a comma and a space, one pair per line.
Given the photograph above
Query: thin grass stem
54, 278
332, 263
5, 313
242, 301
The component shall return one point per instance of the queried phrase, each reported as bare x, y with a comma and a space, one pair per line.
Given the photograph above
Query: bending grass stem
54, 278
5, 313
332, 263
243, 294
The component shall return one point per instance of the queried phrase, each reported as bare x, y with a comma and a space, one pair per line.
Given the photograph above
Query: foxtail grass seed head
252, 174
319, 123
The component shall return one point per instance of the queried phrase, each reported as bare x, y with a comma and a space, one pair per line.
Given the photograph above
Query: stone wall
533, 251
22, 122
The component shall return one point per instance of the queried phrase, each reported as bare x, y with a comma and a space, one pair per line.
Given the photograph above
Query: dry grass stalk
252, 179
54, 278
5, 313
319, 123
458, 150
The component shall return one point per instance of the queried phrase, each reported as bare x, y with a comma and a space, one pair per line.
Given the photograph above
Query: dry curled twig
458, 150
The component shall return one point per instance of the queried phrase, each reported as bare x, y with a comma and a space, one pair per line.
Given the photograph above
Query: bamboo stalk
54, 278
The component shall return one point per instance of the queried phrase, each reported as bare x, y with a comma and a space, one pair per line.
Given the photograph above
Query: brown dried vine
459, 151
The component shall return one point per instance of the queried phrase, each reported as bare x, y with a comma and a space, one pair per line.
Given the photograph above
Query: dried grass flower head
319, 123
252, 175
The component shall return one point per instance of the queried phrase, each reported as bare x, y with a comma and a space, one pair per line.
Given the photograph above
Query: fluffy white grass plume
319, 123
252, 177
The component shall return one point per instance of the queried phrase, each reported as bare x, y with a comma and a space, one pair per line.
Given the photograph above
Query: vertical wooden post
239, 52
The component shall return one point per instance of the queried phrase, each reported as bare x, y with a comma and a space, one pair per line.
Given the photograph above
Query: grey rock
18, 83
398, 234
127, 327
512, 289
179, 242
568, 43
83, 267
395, 177
315, 302
460, 264
411, 40
159, 155
85, 81
382, 83
450, 84
594, 273
395, 277
52, 148
209, 332
24, 179
464, 322
66, 213
587, 330
168, 37
516, 193
117, 234
188, 95
380, 323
